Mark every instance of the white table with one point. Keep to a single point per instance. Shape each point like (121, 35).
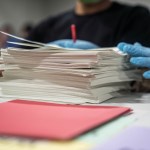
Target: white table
(140, 103)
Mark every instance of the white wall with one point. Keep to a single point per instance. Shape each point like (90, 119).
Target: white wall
(58, 6)
(18, 12)
(143, 2)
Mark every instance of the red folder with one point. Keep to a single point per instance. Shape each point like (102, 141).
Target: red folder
(53, 121)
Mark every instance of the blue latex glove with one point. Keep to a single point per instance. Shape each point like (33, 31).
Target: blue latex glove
(140, 55)
(79, 44)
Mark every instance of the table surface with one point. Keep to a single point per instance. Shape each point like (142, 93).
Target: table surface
(140, 103)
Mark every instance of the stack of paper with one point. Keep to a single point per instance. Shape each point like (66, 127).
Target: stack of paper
(1, 63)
(65, 75)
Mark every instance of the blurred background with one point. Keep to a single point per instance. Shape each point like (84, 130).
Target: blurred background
(18, 13)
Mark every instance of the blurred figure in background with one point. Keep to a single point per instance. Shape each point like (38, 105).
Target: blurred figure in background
(8, 28)
(26, 30)
(103, 23)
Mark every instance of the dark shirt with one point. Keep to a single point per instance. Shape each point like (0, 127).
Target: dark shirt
(119, 23)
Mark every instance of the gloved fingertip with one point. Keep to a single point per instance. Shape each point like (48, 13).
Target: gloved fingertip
(146, 75)
(137, 44)
(139, 61)
(133, 60)
(121, 45)
(124, 47)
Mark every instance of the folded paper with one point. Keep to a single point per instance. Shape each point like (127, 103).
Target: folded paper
(52, 121)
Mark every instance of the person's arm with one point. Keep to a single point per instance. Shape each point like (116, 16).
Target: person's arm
(37, 33)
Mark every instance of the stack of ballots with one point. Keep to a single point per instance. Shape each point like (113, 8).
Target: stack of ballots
(55, 74)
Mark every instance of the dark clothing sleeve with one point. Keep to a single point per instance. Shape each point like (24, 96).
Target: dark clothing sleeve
(41, 31)
(135, 27)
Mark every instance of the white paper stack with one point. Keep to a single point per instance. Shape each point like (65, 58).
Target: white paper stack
(61, 75)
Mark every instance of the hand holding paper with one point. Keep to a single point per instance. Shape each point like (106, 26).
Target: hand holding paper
(140, 55)
(79, 44)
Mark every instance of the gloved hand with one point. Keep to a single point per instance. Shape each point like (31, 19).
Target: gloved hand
(140, 55)
(79, 44)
